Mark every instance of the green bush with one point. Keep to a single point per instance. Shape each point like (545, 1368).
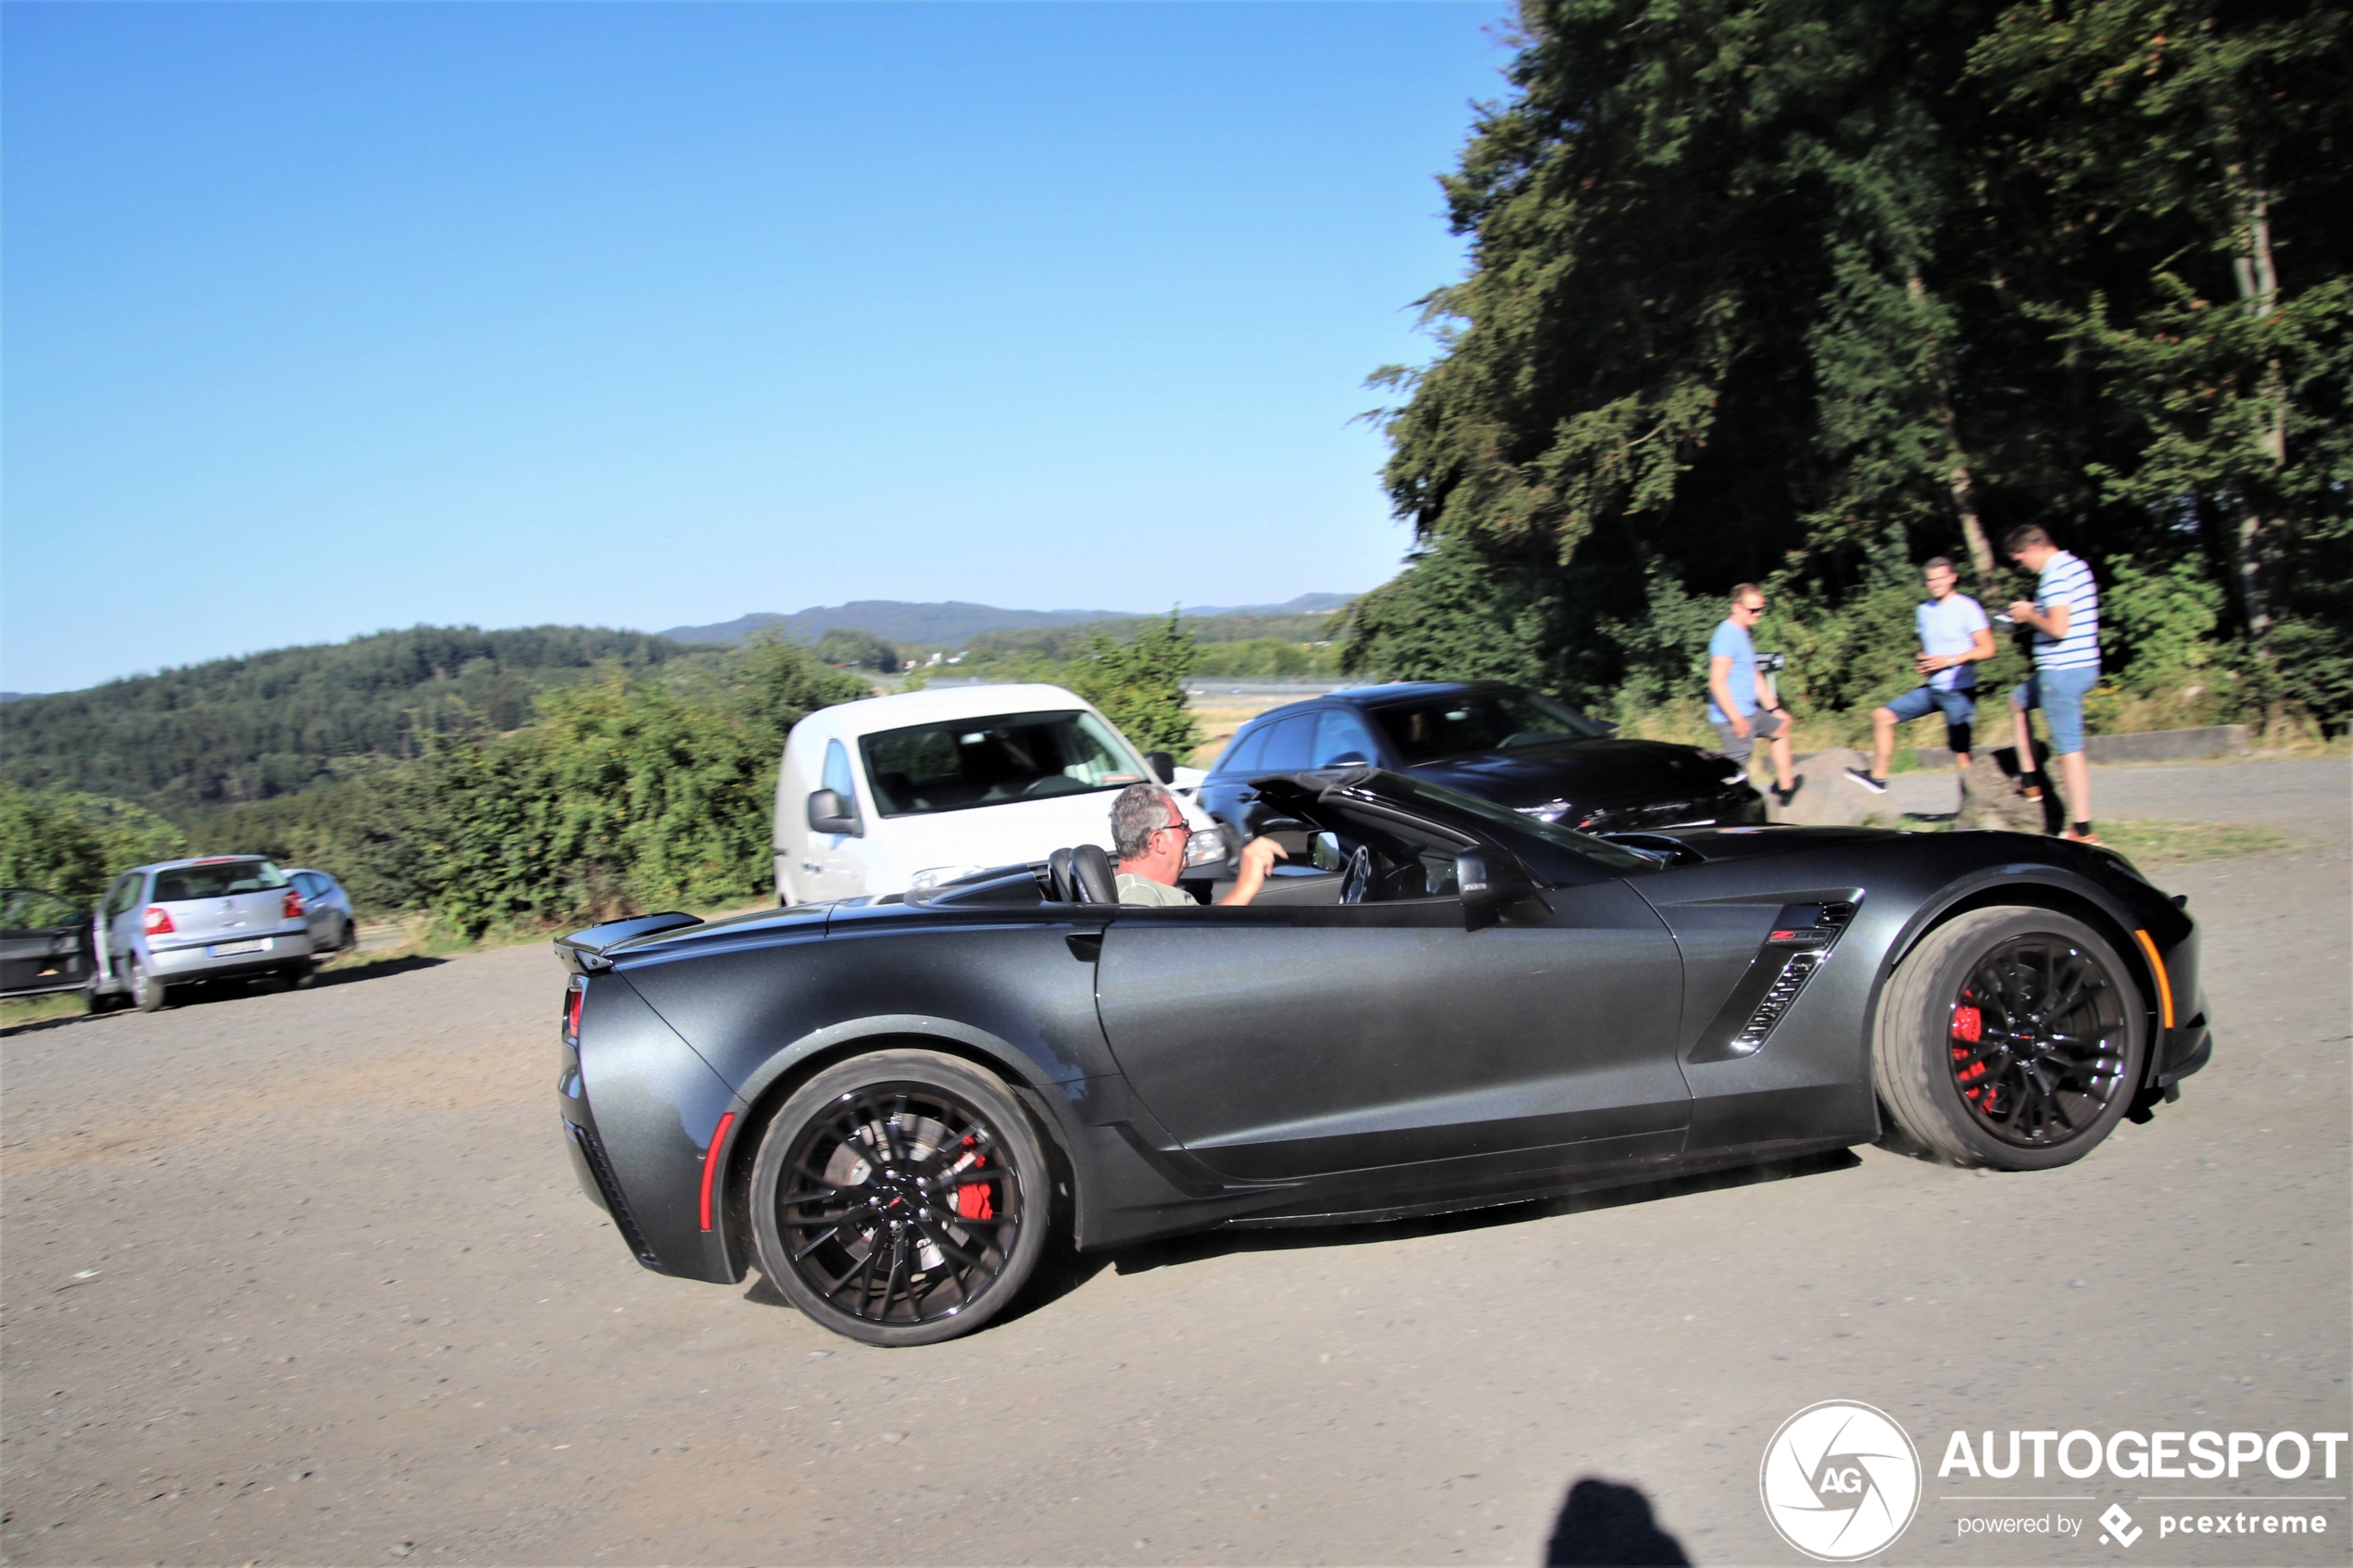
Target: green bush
(72, 843)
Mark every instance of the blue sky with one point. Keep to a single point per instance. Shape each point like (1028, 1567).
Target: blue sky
(325, 319)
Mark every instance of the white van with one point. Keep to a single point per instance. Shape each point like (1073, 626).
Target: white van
(903, 792)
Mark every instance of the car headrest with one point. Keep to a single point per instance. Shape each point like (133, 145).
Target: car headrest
(1060, 885)
(1090, 868)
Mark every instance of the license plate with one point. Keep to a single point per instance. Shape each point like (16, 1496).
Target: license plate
(230, 949)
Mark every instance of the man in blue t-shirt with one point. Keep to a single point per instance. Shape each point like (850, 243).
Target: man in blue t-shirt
(1955, 638)
(1741, 704)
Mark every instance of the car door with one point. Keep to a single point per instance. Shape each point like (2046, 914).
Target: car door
(1298, 1040)
(120, 936)
(40, 940)
(832, 861)
(318, 912)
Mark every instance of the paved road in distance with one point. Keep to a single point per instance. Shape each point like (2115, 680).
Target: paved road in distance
(303, 1277)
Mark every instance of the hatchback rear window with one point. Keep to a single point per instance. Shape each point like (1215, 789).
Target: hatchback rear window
(222, 880)
(966, 762)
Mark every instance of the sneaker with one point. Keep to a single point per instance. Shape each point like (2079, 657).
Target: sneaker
(1856, 775)
(2074, 838)
(1786, 796)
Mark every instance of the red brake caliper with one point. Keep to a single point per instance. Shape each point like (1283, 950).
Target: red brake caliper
(1968, 1028)
(972, 1202)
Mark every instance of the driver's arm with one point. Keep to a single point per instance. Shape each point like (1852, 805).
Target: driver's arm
(1258, 857)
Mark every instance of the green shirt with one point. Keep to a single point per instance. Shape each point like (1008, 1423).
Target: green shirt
(1134, 889)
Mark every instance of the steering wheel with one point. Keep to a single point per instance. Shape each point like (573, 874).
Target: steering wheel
(1358, 878)
(1053, 784)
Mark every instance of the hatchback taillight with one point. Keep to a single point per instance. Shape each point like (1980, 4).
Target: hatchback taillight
(572, 1009)
(294, 904)
(157, 920)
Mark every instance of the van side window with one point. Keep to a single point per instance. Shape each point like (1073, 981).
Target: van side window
(1243, 756)
(1340, 737)
(837, 776)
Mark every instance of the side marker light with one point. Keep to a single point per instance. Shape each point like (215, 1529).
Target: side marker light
(2164, 982)
(710, 1162)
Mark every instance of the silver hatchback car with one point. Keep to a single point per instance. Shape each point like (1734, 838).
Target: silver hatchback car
(226, 917)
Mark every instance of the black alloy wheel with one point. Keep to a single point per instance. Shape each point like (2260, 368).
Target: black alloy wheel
(900, 1199)
(2037, 1031)
(2010, 1037)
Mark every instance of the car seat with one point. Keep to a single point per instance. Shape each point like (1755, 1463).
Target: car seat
(1090, 870)
(1058, 885)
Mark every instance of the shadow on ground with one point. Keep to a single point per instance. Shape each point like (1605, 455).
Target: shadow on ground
(199, 994)
(1604, 1524)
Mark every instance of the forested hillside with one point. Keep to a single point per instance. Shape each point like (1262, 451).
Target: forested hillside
(1804, 291)
(273, 723)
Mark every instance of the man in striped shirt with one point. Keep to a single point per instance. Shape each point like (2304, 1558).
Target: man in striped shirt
(2066, 617)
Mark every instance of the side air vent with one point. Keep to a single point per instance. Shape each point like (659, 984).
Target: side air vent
(594, 1148)
(1797, 945)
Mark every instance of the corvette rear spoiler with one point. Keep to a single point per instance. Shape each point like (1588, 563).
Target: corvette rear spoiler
(583, 952)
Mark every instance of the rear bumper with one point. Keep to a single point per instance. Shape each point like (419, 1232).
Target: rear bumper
(196, 961)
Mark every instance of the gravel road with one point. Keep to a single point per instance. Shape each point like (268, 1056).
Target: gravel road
(304, 1278)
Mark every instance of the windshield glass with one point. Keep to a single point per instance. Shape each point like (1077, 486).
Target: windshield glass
(1596, 852)
(962, 763)
(219, 880)
(1430, 729)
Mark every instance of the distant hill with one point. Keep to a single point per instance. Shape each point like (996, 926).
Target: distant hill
(271, 723)
(16, 696)
(952, 624)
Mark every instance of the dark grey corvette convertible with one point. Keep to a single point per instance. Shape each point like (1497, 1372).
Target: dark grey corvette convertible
(1439, 1004)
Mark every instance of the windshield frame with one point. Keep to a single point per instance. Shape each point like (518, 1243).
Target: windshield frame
(1406, 792)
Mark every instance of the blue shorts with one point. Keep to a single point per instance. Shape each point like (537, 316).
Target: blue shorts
(1958, 706)
(2059, 694)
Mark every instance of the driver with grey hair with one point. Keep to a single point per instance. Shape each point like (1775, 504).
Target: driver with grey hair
(1149, 833)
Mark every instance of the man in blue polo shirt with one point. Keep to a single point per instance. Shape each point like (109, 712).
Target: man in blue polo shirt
(1739, 704)
(1955, 639)
(2065, 613)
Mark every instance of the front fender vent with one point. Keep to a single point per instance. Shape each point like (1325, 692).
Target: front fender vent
(1798, 945)
(592, 1147)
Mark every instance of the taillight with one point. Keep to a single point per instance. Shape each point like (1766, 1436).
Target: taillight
(157, 920)
(294, 904)
(572, 1009)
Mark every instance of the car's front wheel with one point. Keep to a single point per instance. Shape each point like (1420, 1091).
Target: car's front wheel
(900, 1199)
(2010, 1037)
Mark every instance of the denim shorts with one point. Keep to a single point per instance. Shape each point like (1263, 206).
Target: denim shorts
(1959, 707)
(2059, 694)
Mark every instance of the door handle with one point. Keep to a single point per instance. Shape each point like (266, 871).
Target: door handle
(1085, 945)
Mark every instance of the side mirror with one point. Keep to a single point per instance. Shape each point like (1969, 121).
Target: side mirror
(1324, 851)
(1489, 883)
(1163, 765)
(828, 812)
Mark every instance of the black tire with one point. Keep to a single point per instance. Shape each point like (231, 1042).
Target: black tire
(95, 1001)
(350, 937)
(148, 993)
(877, 1164)
(2010, 1037)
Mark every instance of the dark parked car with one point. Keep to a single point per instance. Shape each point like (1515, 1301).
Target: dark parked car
(44, 943)
(887, 1105)
(1517, 749)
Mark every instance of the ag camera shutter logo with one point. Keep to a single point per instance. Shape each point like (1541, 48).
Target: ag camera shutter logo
(1840, 1481)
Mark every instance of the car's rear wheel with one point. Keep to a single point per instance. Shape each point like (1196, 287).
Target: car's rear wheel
(2010, 1037)
(148, 993)
(900, 1199)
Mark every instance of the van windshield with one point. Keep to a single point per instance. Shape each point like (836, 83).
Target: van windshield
(219, 880)
(959, 763)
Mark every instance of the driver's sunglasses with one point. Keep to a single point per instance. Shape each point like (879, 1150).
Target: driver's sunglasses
(1185, 828)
